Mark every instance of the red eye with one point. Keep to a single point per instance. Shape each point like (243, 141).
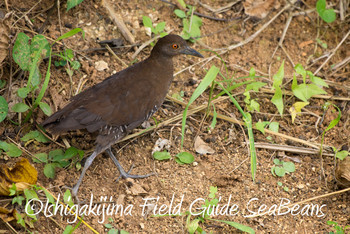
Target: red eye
(175, 46)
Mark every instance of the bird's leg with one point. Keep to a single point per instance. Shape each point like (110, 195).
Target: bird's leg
(123, 173)
(86, 166)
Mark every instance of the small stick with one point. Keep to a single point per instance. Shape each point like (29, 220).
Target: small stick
(118, 20)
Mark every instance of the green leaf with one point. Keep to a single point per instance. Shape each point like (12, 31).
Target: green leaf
(18, 199)
(306, 91)
(75, 65)
(70, 153)
(49, 170)
(30, 135)
(289, 166)
(68, 229)
(212, 191)
(39, 45)
(45, 108)
(277, 162)
(285, 188)
(180, 13)
(161, 155)
(215, 114)
(280, 171)
(192, 226)
(254, 106)
(55, 153)
(71, 33)
(42, 138)
(160, 27)
(185, 157)
(67, 198)
(108, 225)
(334, 121)
(13, 150)
(277, 82)
(20, 107)
(4, 108)
(208, 79)
(318, 81)
(178, 161)
(42, 158)
(255, 86)
(23, 92)
(2, 83)
(21, 51)
(274, 126)
(328, 15)
(301, 71)
(4, 146)
(261, 126)
(342, 154)
(182, 3)
(279, 183)
(73, 3)
(147, 22)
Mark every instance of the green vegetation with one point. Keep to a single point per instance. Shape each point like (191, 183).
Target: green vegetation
(281, 167)
(191, 24)
(328, 15)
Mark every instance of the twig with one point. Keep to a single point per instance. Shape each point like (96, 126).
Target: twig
(288, 148)
(116, 56)
(118, 20)
(336, 48)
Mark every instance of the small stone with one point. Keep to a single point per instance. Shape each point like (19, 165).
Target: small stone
(101, 65)
(142, 226)
(300, 186)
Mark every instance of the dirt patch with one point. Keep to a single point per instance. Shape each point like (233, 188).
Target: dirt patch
(178, 186)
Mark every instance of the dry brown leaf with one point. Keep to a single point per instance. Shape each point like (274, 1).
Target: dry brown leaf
(201, 147)
(4, 36)
(258, 8)
(23, 174)
(7, 215)
(342, 172)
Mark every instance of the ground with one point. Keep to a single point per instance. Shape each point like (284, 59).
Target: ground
(229, 167)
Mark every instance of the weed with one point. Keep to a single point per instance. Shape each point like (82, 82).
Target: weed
(281, 167)
(328, 15)
(338, 229)
(181, 158)
(191, 24)
(112, 230)
(285, 188)
(29, 56)
(157, 30)
(57, 158)
(67, 57)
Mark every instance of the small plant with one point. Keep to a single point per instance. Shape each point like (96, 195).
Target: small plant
(157, 30)
(191, 24)
(112, 230)
(28, 54)
(10, 149)
(281, 168)
(285, 188)
(208, 206)
(338, 229)
(180, 158)
(57, 158)
(252, 104)
(73, 3)
(67, 57)
(328, 15)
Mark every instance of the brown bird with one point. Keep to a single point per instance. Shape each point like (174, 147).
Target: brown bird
(121, 102)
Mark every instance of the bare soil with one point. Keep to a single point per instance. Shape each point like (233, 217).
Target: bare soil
(229, 167)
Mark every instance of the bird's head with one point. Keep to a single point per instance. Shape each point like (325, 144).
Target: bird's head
(172, 45)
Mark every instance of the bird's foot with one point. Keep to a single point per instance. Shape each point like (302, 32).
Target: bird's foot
(125, 175)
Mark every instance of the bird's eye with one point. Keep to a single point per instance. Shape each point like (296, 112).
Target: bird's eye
(175, 46)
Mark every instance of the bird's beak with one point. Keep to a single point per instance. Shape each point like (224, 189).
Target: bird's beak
(190, 51)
